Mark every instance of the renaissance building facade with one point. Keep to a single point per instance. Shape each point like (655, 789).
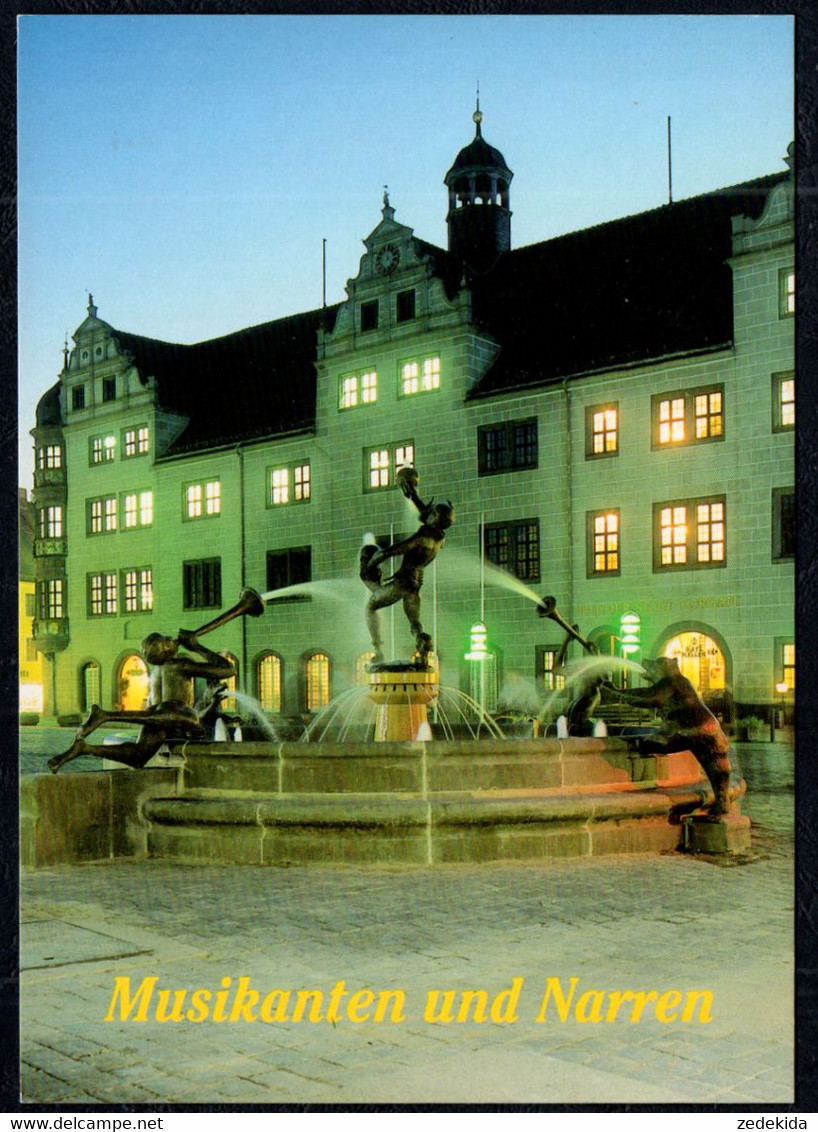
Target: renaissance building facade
(611, 412)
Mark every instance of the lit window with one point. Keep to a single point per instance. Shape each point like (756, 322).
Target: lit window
(710, 532)
(514, 547)
(137, 586)
(601, 431)
(604, 542)
(268, 678)
(317, 679)
(546, 661)
(145, 508)
(290, 484)
(213, 497)
(110, 513)
(102, 595)
(129, 442)
(369, 387)
(301, 483)
(143, 442)
(194, 500)
(51, 522)
(51, 598)
(49, 457)
(783, 401)
(786, 293)
(103, 449)
(95, 516)
(383, 464)
(788, 665)
(281, 485)
(672, 421)
(690, 534)
(130, 511)
(362, 664)
(709, 419)
(203, 499)
(686, 417)
(420, 377)
(349, 392)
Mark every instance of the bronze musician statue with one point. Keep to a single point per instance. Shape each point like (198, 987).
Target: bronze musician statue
(168, 716)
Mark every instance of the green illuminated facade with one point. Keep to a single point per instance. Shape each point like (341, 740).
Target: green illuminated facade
(612, 413)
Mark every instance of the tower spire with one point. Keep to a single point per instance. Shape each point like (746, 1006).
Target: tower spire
(477, 117)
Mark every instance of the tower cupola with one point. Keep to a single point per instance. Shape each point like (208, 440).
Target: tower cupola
(479, 218)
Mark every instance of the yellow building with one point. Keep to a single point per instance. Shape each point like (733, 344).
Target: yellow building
(31, 664)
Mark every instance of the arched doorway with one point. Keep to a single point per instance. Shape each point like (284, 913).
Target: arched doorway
(91, 684)
(132, 683)
(701, 660)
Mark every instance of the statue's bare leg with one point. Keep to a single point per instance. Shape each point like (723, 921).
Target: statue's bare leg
(382, 597)
(423, 642)
(131, 754)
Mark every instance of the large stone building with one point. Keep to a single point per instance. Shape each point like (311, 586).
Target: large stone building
(611, 412)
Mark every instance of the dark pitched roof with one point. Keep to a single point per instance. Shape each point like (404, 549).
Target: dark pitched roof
(48, 408)
(255, 382)
(646, 286)
(447, 266)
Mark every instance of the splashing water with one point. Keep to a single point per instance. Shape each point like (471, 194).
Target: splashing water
(255, 713)
(344, 590)
(577, 670)
(465, 567)
(351, 717)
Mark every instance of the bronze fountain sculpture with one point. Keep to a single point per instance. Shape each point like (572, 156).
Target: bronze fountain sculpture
(168, 716)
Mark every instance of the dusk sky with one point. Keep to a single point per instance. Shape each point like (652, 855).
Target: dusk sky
(185, 169)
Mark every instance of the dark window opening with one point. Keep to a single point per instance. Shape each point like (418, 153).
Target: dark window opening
(507, 447)
(406, 305)
(286, 568)
(369, 316)
(203, 583)
(109, 389)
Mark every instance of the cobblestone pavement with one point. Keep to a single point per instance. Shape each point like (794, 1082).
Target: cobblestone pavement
(659, 922)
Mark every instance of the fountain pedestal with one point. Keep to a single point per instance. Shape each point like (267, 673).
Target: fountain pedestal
(730, 834)
(403, 694)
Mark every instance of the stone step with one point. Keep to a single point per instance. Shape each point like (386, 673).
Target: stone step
(409, 829)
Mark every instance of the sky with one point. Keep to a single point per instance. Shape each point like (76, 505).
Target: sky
(186, 169)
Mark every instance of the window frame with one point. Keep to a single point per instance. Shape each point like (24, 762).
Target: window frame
(107, 452)
(591, 570)
(191, 591)
(203, 486)
(691, 542)
(392, 467)
(109, 389)
(102, 588)
(141, 590)
(591, 433)
(290, 468)
(778, 549)
(778, 381)
(544, 675)
(436, 363)
(407, 297)
(290, 556)
(511, 527)
(507, 429)
(372, 307)
(786, 294)
(688, 396)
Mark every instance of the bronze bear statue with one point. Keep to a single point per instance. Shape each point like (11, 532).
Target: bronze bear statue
(687, 725)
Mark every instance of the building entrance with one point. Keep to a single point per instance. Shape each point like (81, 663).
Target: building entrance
(132, 683)
(700, 660)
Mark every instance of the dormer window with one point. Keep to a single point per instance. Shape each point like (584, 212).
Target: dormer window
(98, 352)
(85, 356)
(369, 316)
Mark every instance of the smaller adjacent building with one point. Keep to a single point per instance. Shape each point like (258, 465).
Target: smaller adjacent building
(30, 660)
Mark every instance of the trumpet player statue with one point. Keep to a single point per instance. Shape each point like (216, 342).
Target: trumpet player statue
(418, 551)
(168, 716)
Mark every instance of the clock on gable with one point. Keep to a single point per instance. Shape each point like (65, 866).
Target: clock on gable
(387, 259)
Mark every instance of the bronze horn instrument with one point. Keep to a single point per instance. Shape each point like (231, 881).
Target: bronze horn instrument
(548, 608)
(250, 604)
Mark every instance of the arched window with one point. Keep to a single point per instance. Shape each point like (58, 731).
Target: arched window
(700, 660)
(268, 681)
(132, 683)
(362, 667)
(316, 681)
(91, 684)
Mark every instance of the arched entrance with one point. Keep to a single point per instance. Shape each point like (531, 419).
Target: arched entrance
(132, 683)
(701, 660)
(91, 686)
